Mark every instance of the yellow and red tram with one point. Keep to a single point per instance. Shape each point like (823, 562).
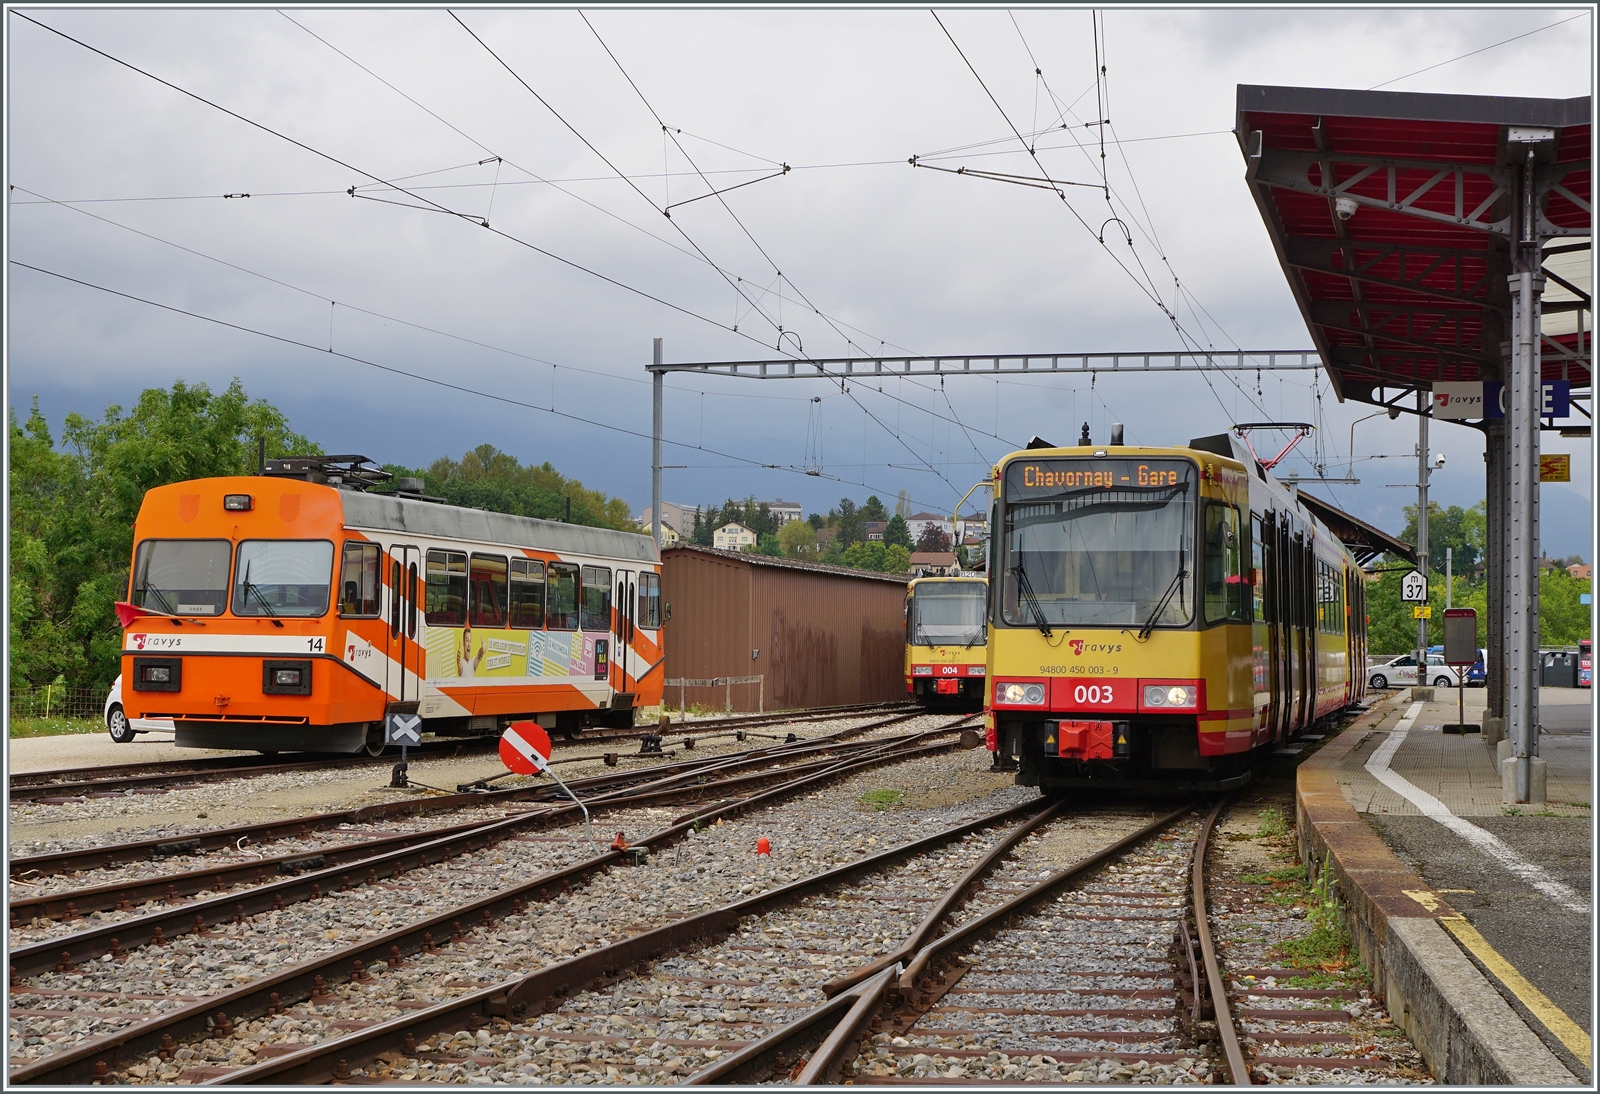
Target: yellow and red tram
(277, 612)
(946, 649)
(1156, 614)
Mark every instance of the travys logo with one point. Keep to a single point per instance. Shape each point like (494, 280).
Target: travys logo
(156, 642)
(1080, 647)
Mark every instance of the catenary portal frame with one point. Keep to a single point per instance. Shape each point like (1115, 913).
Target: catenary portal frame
(1414, 231)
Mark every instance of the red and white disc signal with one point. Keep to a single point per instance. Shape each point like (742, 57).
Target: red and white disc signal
(525, 748)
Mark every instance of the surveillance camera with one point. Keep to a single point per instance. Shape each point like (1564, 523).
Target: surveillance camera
(1394, 412)
(1345, 208)
(1438, 461)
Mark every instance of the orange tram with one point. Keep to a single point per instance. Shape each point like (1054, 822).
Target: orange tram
(295, 609)
(1157, 615)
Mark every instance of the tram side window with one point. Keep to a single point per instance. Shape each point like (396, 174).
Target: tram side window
(527, 593)
(1331, 610)
(488, 583)
(359, 566)
(1258, 572)
(650, 601)
(562, 613)
(1224, 583)
(447, 588)
(597, 598)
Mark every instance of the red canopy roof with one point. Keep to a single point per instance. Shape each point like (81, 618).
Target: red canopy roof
(1391, 213)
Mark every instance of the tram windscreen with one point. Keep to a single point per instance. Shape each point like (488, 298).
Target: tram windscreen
(1099, 542)
(282, 577)
(182, 576)
(948, 613)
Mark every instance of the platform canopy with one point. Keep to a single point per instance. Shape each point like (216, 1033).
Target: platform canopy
(1391, 215)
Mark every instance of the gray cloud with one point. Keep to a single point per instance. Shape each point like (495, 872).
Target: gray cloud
(916, 259)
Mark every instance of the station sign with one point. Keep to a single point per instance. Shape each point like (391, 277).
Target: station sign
(1555, 467)
(1414, 588)
(1486, 399)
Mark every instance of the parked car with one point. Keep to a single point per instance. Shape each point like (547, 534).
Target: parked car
(1478, 674)
(1403, 670)
(1585, 663)
(124, 729)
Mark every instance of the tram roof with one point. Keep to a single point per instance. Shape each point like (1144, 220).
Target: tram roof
(423, 518)
(1410, 288)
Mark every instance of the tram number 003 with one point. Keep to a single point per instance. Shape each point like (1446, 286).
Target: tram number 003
(1092, 694)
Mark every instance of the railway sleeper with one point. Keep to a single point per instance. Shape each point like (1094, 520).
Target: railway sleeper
(250, 1000)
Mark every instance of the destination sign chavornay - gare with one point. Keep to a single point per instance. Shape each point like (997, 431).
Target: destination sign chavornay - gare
(1035, 477)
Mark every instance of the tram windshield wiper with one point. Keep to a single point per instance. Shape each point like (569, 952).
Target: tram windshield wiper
(166, 605)
(1025, 590)
(250, 588)
(1161, 605)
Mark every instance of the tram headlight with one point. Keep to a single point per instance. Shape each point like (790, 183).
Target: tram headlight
(921, 670)
(1022, 694)
(1170, 695)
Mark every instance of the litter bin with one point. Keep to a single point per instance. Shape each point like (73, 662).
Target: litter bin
(1558, 669)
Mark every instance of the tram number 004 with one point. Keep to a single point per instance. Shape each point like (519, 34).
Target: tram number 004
(1092, 694)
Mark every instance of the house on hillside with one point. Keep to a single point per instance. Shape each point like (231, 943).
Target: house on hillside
(1579, 570)
(935, 564)
(669, 534)
(921, 522)
(872, 530)
(784, 511)
(674, 516)
(733, 536)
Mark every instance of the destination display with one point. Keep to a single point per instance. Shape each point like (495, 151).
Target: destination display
(1038, 478)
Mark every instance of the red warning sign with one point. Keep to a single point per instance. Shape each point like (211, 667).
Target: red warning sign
(525, 748)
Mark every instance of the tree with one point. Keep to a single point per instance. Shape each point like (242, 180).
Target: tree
(933, 538)
(896, 559)
(768, 545)
(72, 512)
(847, 518)
(873, 509)
(897, 532)
(487, 478)
(902, 507)
(798, 539)
(816, 520)
(1461, 530)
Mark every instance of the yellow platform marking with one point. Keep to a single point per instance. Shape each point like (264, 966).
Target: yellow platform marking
(1423, 897)
(1550, 1015)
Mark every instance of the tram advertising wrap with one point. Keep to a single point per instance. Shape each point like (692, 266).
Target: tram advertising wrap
(1157, 614)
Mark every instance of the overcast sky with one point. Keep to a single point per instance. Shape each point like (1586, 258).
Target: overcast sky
(851, 251)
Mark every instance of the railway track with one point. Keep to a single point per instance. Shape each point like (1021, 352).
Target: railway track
(727, 982)
(65, 785)
(176, 847)
(105, 997)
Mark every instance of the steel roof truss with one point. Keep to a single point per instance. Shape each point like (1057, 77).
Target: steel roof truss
(1317, 255)
(1291, 170)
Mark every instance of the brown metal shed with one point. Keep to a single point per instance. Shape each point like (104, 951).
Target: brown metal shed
(821, 635)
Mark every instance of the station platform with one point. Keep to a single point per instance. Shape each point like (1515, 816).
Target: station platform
(1474, 914)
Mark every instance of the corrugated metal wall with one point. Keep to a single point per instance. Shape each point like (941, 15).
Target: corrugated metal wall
(825, 639)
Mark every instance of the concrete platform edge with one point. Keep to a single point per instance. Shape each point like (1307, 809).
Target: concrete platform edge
(1466, 1031)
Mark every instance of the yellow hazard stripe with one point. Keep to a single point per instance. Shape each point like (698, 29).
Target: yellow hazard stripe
(1551, 1016)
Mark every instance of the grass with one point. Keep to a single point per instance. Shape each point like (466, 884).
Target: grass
(54, 727)
(1274, 825)
(882, 799)
(1328, 945)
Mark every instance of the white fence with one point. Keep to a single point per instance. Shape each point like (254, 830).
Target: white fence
(726, 683)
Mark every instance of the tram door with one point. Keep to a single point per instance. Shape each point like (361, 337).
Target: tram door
(625, 618)
(406, 662)
(1271, 606)
(1287, 619)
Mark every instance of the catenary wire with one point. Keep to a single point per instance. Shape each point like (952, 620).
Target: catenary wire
(1475, 52)
(45, 199)
(745, 460)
